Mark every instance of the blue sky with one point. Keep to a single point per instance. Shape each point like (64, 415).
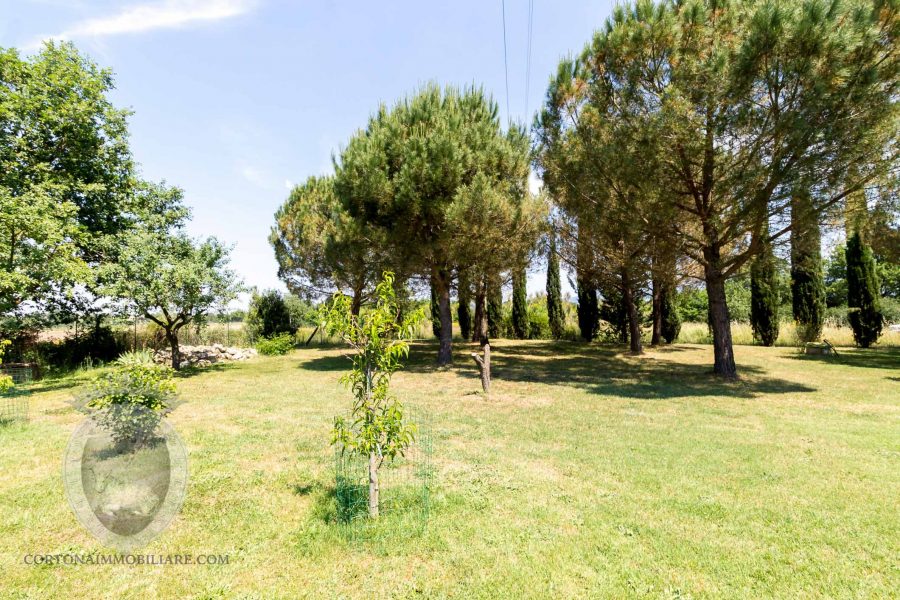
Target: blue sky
(236, 100)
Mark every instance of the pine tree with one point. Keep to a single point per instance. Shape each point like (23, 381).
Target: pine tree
(520, 303)
(588, 310)
(807, 277)
(463, 311)
(764, 296)
(862, 293)
(671, 319)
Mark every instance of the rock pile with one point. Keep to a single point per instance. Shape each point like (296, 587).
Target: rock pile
(203, 356)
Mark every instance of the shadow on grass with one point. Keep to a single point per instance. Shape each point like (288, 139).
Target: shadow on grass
(191, 371)
(872, 358)
(599, 369)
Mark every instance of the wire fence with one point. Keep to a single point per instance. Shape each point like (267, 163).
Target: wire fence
(405, 485)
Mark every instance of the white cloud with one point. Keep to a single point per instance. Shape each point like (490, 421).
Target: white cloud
(167, 14)
(255, 176)
(288, 184)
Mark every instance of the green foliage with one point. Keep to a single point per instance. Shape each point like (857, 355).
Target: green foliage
(379, 340)
(6, 382)
(320, 248)
(671, 317)
(862, 293)
(268, 315)
(807, 278)
(435, 313)
(495, 309)
(764, 300)
(130, 400)
(276, 345)
(170, 278)
(519, 304)
(463, 310)
(66, 172)
(835, 278)
(539, 321)
(588, 310)
(555, 313)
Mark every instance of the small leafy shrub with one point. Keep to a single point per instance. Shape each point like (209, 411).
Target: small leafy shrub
(277, 345)
(538, 322)
(135, 358)
(130, 400)
(6, 382)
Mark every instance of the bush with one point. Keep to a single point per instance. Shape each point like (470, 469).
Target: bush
(277, 345)
(130, 400)
(538, 321)
(268, 316)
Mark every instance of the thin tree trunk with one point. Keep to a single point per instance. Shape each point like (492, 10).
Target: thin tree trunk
(483, 361)
(373, 485)
(442, 285)
(480, 317)
(720, 323)
(634, 322)
(356, 303)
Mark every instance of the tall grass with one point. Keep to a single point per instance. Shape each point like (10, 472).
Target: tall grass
(742, 334)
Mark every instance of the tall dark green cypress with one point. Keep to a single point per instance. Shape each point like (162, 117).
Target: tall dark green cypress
(764, 299)
(671, 318)
(435, 313)
(807, 277)
(554, 292)
(862, 293)
(519, 303)
(463, 311)
(588, 310)
(495, 307)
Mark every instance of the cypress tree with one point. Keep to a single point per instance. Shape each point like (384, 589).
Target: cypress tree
(671, 319)
(588, 310)
(463, 312)
(862, 293)
(435, 313)
(807, 277)
(520, 303)
(494, 307)
(554, 292)
(764, 296)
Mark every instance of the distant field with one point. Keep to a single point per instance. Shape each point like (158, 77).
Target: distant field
(587, 473)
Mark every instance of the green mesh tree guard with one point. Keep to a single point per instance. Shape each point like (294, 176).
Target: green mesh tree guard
(405, 488)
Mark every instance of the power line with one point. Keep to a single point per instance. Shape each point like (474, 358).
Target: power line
(505, 60)
(528, 56)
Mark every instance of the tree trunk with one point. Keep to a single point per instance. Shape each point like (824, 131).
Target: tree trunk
(481, 330)
(442, 288)
(176, 355)
(480, 316)
(657, 311)
(373, 485)
(720, 323)
(356, 303)
(634, 321)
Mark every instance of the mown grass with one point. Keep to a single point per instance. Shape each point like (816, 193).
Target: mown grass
(587, 473)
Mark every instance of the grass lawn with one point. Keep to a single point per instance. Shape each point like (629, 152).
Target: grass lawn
(587, 473)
